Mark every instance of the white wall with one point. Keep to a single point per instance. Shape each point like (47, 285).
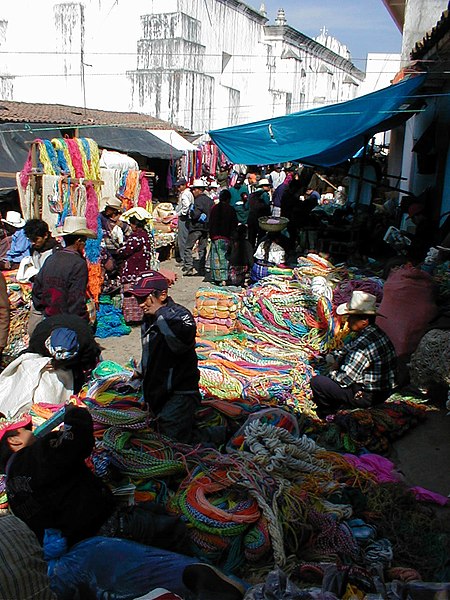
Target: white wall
(189, 87)
(420, 17)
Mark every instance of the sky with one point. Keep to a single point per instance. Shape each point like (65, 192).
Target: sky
(362, 25)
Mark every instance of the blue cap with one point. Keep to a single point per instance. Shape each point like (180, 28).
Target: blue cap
(62, 343)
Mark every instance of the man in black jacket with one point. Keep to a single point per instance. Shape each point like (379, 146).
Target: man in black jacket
(169, 360)
(198, 226)
(60, 286)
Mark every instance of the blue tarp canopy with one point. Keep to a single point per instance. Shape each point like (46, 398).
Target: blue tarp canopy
(323, 136)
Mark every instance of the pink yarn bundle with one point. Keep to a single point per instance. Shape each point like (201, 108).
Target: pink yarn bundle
(145, 194)
(91, 207)
(75, 156)
(24, 176)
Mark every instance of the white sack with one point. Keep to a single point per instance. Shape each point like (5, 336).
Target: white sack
(26, 381)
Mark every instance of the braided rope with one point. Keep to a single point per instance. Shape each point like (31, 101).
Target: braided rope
(141, 455)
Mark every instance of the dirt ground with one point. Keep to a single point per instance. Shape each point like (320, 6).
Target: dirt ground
(422, 455)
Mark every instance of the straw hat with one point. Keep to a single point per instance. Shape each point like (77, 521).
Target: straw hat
(77, 226)
(360, 303)
(113, 203)
(14, 219)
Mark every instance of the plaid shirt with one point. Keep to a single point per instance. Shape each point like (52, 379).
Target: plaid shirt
(23, 570)
(369, 360)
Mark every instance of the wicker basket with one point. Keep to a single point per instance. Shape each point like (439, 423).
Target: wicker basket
(273, 223)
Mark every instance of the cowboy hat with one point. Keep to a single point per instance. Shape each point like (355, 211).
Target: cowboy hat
(113, 203)
(199, 183)
(14, 219)
(264, 181)
(360, 303)
(77, 226)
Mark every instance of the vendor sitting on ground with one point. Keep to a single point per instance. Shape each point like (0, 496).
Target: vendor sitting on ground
(69, 341)
(62, 493)
(364, 373)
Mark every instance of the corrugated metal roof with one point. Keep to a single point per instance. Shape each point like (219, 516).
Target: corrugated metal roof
(61, 114)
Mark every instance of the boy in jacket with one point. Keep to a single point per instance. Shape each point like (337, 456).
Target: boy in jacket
(169, 361)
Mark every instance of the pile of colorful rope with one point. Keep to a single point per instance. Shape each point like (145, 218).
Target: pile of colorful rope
(113, 400)
(141, 455)
(215, 311)
(374, 430)
(279, 327)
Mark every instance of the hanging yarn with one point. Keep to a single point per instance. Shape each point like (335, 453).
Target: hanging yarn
(92, 212)
(75, 157)
(95, 280)
(24, 176)
(145, 195)
(48, 157)
(83, 155)
(94, 172)
(63, 154)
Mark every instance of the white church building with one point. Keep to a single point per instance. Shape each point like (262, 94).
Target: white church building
(200, 64)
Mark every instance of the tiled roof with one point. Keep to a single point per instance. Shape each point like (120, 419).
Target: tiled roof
(60, 114)
(433, 36)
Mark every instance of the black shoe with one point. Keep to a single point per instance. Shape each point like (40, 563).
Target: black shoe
(208, 583)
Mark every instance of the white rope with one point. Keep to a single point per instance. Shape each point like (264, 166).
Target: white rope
(277, 451)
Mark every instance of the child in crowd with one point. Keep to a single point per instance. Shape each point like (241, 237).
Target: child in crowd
(240, 257)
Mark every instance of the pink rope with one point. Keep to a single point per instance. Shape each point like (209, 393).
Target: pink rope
(75, 156)
(25, 173)
(91, 207)
(145, 194)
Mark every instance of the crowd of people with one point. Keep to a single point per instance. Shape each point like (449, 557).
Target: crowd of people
(241, 225)
(307, 210)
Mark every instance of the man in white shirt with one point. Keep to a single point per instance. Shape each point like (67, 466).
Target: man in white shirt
(185, 199)
(277, 176)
